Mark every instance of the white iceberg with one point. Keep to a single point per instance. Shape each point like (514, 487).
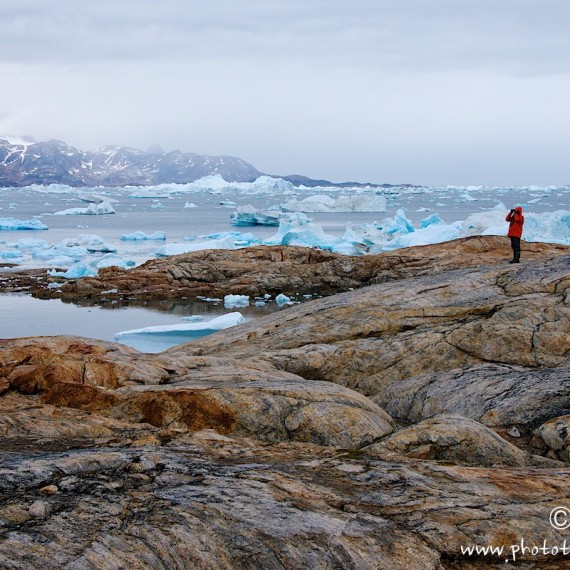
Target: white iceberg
(282, 299)
(177, 248)
(157, 338)
(323, 203)
(96, 198)
(239, 239)
(14, 224)
(250, 216)
(99, 209)
(91, 242)
(235, 301)
(141, 236)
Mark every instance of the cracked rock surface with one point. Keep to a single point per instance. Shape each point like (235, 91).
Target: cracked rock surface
(385, 427)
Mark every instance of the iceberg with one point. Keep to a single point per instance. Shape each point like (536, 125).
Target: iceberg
(234, 301)
(239, 239)
(29, 243)
(14, 224)
(11, 255)
(139, 236)
(282, 299)
(91, 268)
(430, 220)
(157, 338)
(96, 198)
(250, 216)
(91, 242)
(98, 209)
(400, 224)
(323, 203)
(178, 248)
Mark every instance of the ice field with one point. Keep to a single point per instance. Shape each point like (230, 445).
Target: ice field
(73, 232)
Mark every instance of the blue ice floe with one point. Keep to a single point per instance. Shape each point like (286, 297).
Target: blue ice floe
(14, 224)
(141, 236)
(91, 268)
(158, 338)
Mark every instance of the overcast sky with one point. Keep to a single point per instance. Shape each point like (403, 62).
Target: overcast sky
(423, 91)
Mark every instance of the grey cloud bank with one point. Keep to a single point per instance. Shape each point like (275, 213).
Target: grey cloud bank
(445, 92)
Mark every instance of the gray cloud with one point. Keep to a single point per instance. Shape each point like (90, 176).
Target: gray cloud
(430, 92)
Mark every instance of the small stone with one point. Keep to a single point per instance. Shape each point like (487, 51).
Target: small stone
(49, 490)
(38, 509)
(4, 385)
(146, 440)
(514, 432)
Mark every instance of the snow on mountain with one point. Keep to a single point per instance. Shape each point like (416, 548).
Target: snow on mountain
(24, 161)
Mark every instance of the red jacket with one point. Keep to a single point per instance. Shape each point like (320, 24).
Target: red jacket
(516, 222)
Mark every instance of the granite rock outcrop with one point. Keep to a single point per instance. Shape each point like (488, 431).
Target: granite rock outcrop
(392, 426)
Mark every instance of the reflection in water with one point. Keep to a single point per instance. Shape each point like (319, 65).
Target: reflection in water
(25, 316)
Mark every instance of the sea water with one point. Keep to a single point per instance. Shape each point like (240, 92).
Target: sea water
(24, 316)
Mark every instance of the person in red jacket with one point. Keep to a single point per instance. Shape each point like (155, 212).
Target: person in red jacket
(516, 220)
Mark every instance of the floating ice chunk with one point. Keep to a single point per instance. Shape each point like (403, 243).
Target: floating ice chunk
(96, 198)
(553, 227)
(191, 330)
(323, 203)
(178, 248)
(138, 236)
(91, 268)
(12, 255)
(76, 271)
(30, 243)
(260, 303)
(112, 260)
(235, 301)
(100, 209)
(489, 222)
(400, 224)
(318, 203)
(14, 224)
(190, 205)
(430, 220)
(282, 299)
(55, 259)
(434, 233)
(268, 184)
(240, 240)
(227, 203)
(249, 216)
(194, 318)
(150, 192)
(91, 242)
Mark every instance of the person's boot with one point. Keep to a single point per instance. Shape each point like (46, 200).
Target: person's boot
(514, 259)
(517, 257)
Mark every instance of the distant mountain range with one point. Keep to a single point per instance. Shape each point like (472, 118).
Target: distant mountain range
(23, 161)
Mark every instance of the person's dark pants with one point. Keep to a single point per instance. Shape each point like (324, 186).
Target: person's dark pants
(516, 245)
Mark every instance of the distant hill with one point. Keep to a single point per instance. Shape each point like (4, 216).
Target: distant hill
(24, 161)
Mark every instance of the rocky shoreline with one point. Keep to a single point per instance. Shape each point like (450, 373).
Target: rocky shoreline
(420, 408)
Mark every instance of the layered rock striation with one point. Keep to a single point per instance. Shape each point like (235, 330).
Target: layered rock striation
(392, 426)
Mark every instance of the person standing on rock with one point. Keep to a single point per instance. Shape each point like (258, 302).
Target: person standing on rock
(516, 220)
